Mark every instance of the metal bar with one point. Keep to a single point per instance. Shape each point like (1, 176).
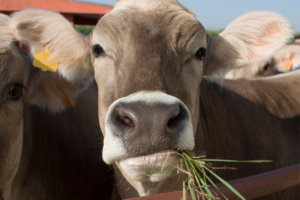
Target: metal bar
(251, 187)
(260, 185)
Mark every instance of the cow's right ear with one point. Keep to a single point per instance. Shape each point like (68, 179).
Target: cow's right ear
(48, 90)
(40, 30)
(251, 38)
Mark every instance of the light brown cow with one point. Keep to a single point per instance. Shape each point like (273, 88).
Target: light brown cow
(286, 59)
(45, 156)
(148, 58)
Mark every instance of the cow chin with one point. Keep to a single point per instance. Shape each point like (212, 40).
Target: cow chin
(144, 168)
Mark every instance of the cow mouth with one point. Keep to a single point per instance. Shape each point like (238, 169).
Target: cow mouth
(141, 168)
(154, 158)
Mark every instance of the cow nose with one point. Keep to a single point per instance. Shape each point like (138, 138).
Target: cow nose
(137, 120)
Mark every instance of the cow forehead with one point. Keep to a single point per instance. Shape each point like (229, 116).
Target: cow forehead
(150, 5)
(134, 20)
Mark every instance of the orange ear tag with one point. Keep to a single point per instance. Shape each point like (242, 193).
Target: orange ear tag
(288, 64)
(46, 61)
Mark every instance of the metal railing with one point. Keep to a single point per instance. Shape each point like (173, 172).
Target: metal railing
(251, 187)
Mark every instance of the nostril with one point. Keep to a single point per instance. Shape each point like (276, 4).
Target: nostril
(177, 117)
(127, 121)
(123, 117)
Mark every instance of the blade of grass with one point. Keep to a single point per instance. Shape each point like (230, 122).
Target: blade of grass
(200, 185)
(185, 162)
(242, 161)
(210, 195)
(163, 172)
(183, 191)
(214, 185)
(205, 186)
(226, 184)
(192, 192)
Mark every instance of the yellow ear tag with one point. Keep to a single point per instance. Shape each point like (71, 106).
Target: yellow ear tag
(46, 61)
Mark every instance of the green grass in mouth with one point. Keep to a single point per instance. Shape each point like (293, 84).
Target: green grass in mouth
(197, 170)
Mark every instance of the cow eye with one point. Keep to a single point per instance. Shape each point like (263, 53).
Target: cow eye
(97, 50)
(266, 67)
(200, 53)
(15, 91)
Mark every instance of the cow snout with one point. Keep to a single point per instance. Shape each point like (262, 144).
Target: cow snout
(134, 121)
(145, 123)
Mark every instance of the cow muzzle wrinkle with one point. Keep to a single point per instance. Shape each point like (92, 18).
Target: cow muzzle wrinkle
(143, 126)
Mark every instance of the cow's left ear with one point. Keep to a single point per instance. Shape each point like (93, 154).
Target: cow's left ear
(48, 31)
(250, 38)
(49, 90)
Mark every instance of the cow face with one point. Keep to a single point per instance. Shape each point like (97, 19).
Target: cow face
(20, 82)
(148, 66)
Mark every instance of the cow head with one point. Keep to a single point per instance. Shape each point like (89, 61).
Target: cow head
(20, 82)
(148, 59)
(284, 60)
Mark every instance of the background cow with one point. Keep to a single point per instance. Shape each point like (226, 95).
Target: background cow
(286, 59)
(148, 59)
(45, 155)
(240, 53)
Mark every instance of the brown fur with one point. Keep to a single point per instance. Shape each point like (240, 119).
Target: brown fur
(45, 155)
(60, 156)
(249, 120)
(150, 45)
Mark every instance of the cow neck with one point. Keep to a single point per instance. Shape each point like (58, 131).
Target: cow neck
(235, 125)
(61, 156)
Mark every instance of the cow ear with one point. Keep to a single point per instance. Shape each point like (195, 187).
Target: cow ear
(250, 38)
(49, 90)
(41, 30)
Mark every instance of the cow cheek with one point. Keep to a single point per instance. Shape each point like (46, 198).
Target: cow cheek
(104, 77)
(193, 73)
(11, 135)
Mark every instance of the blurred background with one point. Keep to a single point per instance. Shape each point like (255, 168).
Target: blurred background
(214, 15)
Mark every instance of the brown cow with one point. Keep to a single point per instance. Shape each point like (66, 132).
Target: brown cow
(286, 59)
(148, 59)
(43, 155)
